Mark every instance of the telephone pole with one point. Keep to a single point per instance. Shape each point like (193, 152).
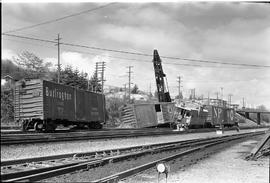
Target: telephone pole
(58, 65)
(129, 82)
(179, 87)
(243, 102)
(230, 99)
(208, 98)
(221, 93)
(217, 95)
(100, 67)
(125, 86)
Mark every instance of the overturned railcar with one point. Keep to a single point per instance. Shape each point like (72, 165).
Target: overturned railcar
(191, 117)
(43, 105)
(205, 116)
(147, 115)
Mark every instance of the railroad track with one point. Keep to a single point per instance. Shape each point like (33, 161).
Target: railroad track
(10, 139)
(28, 138)
(35, 169)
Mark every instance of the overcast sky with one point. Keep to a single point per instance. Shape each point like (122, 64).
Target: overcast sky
(222, 32)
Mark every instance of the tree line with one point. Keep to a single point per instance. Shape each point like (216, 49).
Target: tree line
(29, 66)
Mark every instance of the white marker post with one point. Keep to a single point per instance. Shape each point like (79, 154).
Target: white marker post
(162, 167)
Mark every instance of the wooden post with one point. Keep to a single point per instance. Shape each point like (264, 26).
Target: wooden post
(258, 118)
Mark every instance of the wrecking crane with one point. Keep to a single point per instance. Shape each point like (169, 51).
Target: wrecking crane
(162, 90)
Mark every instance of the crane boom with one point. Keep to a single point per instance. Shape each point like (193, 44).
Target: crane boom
(163, 94)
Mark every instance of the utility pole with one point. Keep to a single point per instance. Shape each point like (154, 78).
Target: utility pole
(208, 99)
(221, 93)
(217, 95)
(125, 86)
(58, 65)
(243, 102)
(129, 82)
(102, 76)
(100, 67)
(230, 99)
(179, 88)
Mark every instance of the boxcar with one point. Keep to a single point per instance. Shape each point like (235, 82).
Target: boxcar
(43, 105)
(197, 117)
(147, 115)
(218, 116)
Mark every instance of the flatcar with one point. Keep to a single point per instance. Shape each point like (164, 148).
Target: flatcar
(43, 105)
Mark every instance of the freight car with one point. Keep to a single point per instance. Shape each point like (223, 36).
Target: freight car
(205, 116)
(220, 116)
(147, 115)
(43, 105)
(191, 117)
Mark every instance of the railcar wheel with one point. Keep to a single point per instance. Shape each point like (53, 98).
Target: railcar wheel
(24, 126)
(50, 127)
(38, 126)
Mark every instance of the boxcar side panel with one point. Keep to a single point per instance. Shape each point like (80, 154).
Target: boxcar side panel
(198, 117)
(58, 101)
(89, 106)
(101, 107)
(81, 103)
(230, 116)
(168, 112)
(28, 100)
(217, 115)
(145, 115)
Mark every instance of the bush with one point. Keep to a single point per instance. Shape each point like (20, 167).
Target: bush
(7, 108)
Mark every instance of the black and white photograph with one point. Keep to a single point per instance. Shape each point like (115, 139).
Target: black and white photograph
(135, 91)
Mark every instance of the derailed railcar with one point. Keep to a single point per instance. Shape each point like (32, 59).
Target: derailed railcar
(147, 115)
(43, 105)
(191, 117)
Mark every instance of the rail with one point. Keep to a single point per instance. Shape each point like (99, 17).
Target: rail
(35, 169)
(30, 138)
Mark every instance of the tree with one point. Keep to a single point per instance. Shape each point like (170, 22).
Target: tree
(94, 83)
(177, 96)
(73, 78)
(35, 66)
(262, 107)
(7, 109)
(135, 89)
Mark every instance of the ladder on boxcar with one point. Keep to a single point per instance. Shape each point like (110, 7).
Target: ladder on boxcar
(17, 103)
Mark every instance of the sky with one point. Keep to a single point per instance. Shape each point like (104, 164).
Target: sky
(232, 32)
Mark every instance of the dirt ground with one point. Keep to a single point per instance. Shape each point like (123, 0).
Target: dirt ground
(225, 166)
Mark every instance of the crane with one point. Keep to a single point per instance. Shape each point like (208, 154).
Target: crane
(162, 90)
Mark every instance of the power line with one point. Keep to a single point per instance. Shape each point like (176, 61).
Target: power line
(132, 59)
(58, 19)
(134, 53)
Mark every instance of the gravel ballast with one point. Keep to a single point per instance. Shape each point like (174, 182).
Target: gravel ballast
(228, 164)
(56, 148)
